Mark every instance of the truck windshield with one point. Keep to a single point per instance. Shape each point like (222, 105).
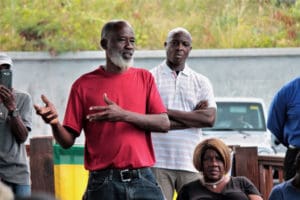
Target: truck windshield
(239, 116)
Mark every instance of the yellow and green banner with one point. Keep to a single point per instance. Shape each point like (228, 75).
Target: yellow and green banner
(70, 177)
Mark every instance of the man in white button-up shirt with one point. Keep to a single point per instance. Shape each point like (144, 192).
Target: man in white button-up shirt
(189, 98)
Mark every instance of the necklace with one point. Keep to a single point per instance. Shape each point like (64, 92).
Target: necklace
(214, 184)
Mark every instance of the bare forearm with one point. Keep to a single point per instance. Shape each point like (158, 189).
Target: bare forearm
(114, 113)
(175, 125)
(197, 118)
(62, 135)
(149, 122)
(18, 129)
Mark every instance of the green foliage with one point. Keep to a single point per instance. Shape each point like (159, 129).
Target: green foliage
(74, 25)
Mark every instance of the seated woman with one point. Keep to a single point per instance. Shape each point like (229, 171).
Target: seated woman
(212, 159)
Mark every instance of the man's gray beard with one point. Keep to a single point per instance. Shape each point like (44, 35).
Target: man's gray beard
(119, 61)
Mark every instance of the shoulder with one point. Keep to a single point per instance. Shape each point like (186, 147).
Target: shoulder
(291, 84)
(19, 92)
(295, 81)
(196, 75)
(201, 77)
(283, 186)
(279, 186)
(144, 74)
(91, 73)
(295, 85)
(290, 87)
(245, 185)
(139, 70)
(276, 192)
(154, 69)
(241, 179)
(87, 77)
(158, 69)
(22, 95)
(243, 182)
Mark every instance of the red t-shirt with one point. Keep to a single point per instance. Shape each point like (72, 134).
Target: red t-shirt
(114, 144)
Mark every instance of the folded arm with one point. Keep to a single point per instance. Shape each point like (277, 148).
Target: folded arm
(196, 118)
(200, 117)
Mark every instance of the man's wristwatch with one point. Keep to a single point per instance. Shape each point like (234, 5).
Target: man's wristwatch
(13, 113)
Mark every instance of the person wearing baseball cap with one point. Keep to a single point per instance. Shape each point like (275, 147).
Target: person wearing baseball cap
(15, 125)
(5, 60)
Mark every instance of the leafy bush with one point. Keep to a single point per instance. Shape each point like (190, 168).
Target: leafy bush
(74, 25)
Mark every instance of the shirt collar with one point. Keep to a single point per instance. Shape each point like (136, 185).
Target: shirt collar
(166, 69)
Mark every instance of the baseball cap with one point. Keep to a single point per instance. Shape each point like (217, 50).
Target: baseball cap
(5, 59)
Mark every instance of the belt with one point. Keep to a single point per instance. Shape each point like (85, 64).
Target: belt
(123, 175)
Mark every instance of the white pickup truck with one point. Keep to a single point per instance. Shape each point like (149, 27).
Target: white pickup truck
(242, 121)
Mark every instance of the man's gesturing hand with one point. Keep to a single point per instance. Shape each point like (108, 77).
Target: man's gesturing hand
(110, 112)
(48, 112)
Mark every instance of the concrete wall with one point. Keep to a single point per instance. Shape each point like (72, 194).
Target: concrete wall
(233, 72)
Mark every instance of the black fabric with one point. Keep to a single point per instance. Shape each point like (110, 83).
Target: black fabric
(288, 165)
(238, 188)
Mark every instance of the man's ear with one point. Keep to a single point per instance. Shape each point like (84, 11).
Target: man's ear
(103, 44)
(165, 44)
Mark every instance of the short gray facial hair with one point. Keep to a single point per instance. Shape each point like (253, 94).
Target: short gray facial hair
(118, 60)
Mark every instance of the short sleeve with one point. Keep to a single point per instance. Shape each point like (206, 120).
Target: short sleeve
(248, 186)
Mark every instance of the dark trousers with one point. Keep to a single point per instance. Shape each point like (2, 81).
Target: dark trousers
(289, 163)
(115, 184)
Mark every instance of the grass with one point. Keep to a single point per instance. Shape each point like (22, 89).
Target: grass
(74, 25)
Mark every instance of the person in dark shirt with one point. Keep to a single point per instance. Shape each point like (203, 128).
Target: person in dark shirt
(212, 159)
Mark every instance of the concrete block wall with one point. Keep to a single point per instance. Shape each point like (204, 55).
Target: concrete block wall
(233, 72)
